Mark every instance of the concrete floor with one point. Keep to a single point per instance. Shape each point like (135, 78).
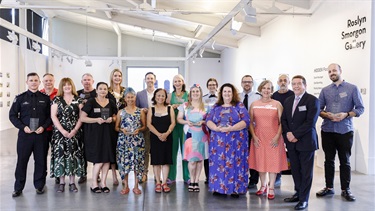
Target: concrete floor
(362, 186)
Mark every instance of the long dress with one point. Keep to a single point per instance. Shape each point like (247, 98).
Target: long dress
(67, 154)
(228, 151)
(161, 151)
(98, 137)
(130, 148)
(266, 158)
(196, 143)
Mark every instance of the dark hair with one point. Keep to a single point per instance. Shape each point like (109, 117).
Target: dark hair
(50, 74)
(100, 83)
(235, 98)
(156, 91)
(247, 76)
(211, 79)
(301, 77)
(151, 74)
(261, 85)
(32, 74)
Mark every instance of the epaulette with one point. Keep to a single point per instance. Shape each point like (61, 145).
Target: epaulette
(21, 93)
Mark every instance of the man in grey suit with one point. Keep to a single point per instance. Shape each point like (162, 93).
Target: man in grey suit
(143, 100)
(301, 111)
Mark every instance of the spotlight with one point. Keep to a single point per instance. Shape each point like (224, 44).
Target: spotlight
(88, 63)
(213, 45)
(201, 51)
(235, 26)
(69, 59)
(12, 37)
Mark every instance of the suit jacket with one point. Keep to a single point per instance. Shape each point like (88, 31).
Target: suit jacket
(302, 123)
(142, 100)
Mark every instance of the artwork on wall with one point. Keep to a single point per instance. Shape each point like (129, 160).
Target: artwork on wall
(1, 104)
(8, 103)
(8, 75)
(8, 94)
(1, 74)
(1, 94)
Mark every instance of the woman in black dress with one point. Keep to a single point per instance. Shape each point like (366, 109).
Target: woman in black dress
(161, 121)
(99, 113)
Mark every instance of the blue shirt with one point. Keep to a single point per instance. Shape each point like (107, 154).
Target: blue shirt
(342, 98)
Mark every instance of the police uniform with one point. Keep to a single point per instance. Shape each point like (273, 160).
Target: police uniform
(25, 106)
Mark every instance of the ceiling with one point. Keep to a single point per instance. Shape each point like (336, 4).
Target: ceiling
(195, 24)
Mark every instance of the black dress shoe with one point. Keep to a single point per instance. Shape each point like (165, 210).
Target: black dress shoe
(57, 180)
(348, 195)
(39, 190)
(235, 195)
(82, 180)
(301, 205)
(219, 194)
(16, 193)
(252, 185)
(325, 192)
(294, 198)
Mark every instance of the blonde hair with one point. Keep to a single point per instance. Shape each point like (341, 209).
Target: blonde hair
(111, 77)
(62, 83)
(201, 104)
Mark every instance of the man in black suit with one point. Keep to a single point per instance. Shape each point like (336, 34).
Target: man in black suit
(298, 120)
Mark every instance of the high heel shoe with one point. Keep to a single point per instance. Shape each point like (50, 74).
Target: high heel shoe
(261, 192)
(271, 196)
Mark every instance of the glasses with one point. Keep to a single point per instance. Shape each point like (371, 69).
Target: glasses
(247, 82)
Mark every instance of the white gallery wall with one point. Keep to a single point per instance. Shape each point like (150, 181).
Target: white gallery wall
(306, 46)
(13, 78)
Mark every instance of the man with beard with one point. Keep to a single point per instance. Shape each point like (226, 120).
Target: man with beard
(143, 100)
(86, 93)
(339, 103)
(280, 95)
(248, 96)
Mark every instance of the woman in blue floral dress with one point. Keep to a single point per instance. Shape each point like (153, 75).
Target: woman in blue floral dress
(130, 123)
(228, 148)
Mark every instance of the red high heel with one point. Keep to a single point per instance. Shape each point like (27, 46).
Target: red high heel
(271, 196)
(261, 192)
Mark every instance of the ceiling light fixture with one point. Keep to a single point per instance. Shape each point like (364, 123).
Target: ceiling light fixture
(213, 45)
(201, 51)
(69, 59)
(88, 63)
(250, 13)
(235, 26)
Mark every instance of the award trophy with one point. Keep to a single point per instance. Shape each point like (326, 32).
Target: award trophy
(104, 113)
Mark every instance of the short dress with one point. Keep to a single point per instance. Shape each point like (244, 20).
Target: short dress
(161, 151)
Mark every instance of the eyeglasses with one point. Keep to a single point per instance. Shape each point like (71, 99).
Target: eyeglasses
(247, 82)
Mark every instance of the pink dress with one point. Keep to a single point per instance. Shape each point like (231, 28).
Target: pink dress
(265, 158)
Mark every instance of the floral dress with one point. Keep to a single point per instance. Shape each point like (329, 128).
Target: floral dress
(67, 155)
(229, 151)
(130, 148)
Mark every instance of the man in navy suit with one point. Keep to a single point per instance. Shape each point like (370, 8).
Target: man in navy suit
(143, 100)
(298, 120)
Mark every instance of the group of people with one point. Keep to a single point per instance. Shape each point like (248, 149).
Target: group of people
(236, 137)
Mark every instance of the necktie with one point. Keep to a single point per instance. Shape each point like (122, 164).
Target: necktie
(245, 102)
(295, 104)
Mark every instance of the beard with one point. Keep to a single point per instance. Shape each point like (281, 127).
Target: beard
(334, 78)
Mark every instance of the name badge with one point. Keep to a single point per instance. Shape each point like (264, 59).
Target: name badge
(96, 110)
(343, 94)
(74, 102)
(42, 101)
(302, 108)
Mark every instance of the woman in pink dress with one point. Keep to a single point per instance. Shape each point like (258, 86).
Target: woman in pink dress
(267, 153)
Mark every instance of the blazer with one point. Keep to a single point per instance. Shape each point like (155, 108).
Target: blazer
(142, 100)
(302, 123)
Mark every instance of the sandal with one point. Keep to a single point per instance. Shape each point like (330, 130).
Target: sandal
(191, 187)
(136, 191)
(61, 188)
(166, 189)
(196, 187)
(73, 187)
(158, 188)
(96, 190)
(106, 190)
(125, 191)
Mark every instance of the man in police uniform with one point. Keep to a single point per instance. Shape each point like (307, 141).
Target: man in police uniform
(31, 114)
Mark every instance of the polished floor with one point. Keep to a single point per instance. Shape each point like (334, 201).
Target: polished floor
(363, 186)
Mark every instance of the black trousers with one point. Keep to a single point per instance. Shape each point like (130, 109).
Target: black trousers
(342, 144)
(27, 145)
(253, 174)
(302, 167)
